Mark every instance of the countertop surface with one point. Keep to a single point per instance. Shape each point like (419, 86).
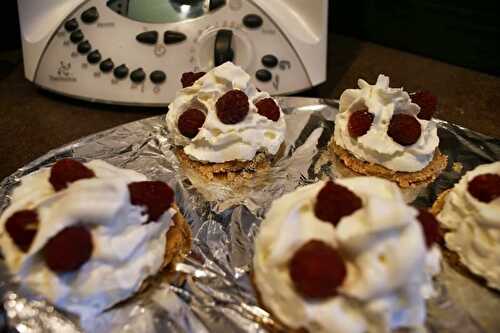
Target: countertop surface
(33, 121)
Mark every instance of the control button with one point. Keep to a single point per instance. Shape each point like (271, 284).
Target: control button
(148, 37)
(263, 75)
(76, 36)
(107, 65)
(94, 57)
(71, 25)
(157, 77)
(269, 60)
(222, 48)
(252, 21)
(90, 15)
(215, 4)
(171, 37)
(138, 75)
(121, 71)
(84, 47)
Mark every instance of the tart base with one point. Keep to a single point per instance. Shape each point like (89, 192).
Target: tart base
(178, 240)
(227, 171)
(438, 205)
(403, 179)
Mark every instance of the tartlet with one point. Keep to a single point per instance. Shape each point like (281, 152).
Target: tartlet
(222, 126)
(382, 131)
(88, 236)
(346, 256)
(469, 216)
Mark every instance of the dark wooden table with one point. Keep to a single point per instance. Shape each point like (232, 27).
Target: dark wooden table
(33, 121)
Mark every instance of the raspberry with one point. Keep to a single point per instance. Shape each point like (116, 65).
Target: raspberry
(427, 103)
(67, 171)
(232, 107)
(156, 196)
(485, 187)
(189, 78)
(69, 249)
(22, 227)
(190, 121)
(359, 123)
(268, 108)
(404, 129)
(334, 202)
(317, 270)
(430, 227)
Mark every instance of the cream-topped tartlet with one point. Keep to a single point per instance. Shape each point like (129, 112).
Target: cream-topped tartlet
(87, 236)
(470, 215)
(222, 125)
(381, 131)
(346, 256)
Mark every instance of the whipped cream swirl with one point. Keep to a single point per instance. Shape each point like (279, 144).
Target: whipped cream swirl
(474, 227)
(217, 142)
(125, 251)
(389, 268)
(376, 146)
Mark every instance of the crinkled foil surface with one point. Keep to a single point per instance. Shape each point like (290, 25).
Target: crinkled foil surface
(217, 295)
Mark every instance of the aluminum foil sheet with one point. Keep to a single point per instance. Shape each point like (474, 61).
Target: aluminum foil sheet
(216, 294)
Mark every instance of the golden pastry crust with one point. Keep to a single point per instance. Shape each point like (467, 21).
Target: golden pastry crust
(179, 240)
(438, 205)
(403, 179)
(227, 171)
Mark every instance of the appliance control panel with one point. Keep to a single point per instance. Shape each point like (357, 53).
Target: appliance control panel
(124, 51)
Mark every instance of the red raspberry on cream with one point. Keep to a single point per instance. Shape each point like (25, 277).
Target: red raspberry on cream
(485, 187)
(317, 270)
(268, 108)
(67, 171)
(232, 107)
(69, 249)
(190, 122)
(22, 226)
(427, 102)
(189, 78)
(430, 227)
(359, 123)
(334, 202)
(404, 129)
(156, 196)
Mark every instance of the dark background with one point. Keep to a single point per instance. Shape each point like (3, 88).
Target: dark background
(464, 33)
(11, 36)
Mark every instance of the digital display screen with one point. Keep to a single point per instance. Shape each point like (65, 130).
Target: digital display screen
(158, 11)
